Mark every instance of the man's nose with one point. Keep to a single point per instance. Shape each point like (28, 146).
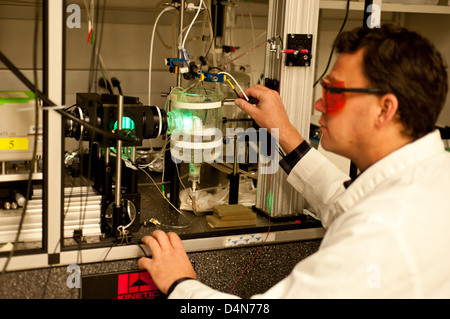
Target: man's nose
(319, 106)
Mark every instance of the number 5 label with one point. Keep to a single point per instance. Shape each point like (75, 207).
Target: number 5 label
(14, 144)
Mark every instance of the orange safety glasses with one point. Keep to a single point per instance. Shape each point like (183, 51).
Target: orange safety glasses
(333, 94)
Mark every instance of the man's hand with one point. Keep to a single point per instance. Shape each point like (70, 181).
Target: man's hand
(269, 113)
(169, 260)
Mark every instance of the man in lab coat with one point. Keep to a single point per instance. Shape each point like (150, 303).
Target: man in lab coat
(387, 231)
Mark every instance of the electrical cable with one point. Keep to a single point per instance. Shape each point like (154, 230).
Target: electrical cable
(260, 248)
(96, 57)
(161, 39)
(237, 83)
(264, 242)
(332, 49)
(89, 13)
(115, 244)
(48, 102)
(179, 211)
(213, 36)
(246, 97)
(245, 30)
(97, 45)
(210, 34)
(151, 52)
(243, 54)
(91, 36)
(254, 258)
(192, 23)
(179, 178)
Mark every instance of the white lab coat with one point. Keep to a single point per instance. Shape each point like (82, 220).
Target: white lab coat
(388, 233)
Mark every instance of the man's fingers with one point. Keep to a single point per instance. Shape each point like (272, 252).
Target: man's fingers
(145, 263)
(153, 244)
(248, 108)
(169, 260)
(162, 239)
(175, 240)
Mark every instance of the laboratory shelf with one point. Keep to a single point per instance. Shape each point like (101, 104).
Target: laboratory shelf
(387, 7)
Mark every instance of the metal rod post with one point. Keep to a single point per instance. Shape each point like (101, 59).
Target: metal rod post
(233, 197)
(181, 22)
(171, 167)
(119, 153)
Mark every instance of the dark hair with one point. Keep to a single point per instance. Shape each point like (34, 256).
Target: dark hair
(406, 64)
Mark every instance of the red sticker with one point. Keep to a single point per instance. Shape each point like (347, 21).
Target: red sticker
(138, 285)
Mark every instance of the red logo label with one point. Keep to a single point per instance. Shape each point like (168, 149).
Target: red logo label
(138, 285)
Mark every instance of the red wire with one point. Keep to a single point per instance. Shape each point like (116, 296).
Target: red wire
(246, 52)
(90, 36)
(268, 230)
(264, 242)
(254, 257)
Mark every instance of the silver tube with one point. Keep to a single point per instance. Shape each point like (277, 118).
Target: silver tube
(133, 155)
(181, 21)
(35, 165)
(107, 155)
(119, 152)
(235, 164)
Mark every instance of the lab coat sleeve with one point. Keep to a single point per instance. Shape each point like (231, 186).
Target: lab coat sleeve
(321, 183)
(349, 264)
(194, 289)
(352, 267)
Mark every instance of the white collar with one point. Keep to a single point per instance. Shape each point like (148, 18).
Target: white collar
(416, 151)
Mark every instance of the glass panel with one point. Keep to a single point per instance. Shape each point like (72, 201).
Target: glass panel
(21, 128)
(151, 185)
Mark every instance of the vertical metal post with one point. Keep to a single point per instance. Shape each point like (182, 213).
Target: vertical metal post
(233, 197)
(117, 199)
(53, 139)
(171, 167)
(275, 196)
(181, 22)
(117, 207)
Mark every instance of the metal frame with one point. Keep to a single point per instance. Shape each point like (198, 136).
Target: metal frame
(53, 138)
(115, 253)
(296, 83)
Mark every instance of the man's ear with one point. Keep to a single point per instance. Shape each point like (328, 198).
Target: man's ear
(388, 109)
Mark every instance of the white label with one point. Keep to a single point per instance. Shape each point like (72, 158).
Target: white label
(247, 239)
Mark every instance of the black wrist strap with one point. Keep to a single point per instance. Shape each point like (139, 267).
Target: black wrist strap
(291, 159)
(176, 282)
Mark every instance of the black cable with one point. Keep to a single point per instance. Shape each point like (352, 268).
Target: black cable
(48, 102)
(332, 49)
(116, 83)
(100, 39)
(212, 35)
